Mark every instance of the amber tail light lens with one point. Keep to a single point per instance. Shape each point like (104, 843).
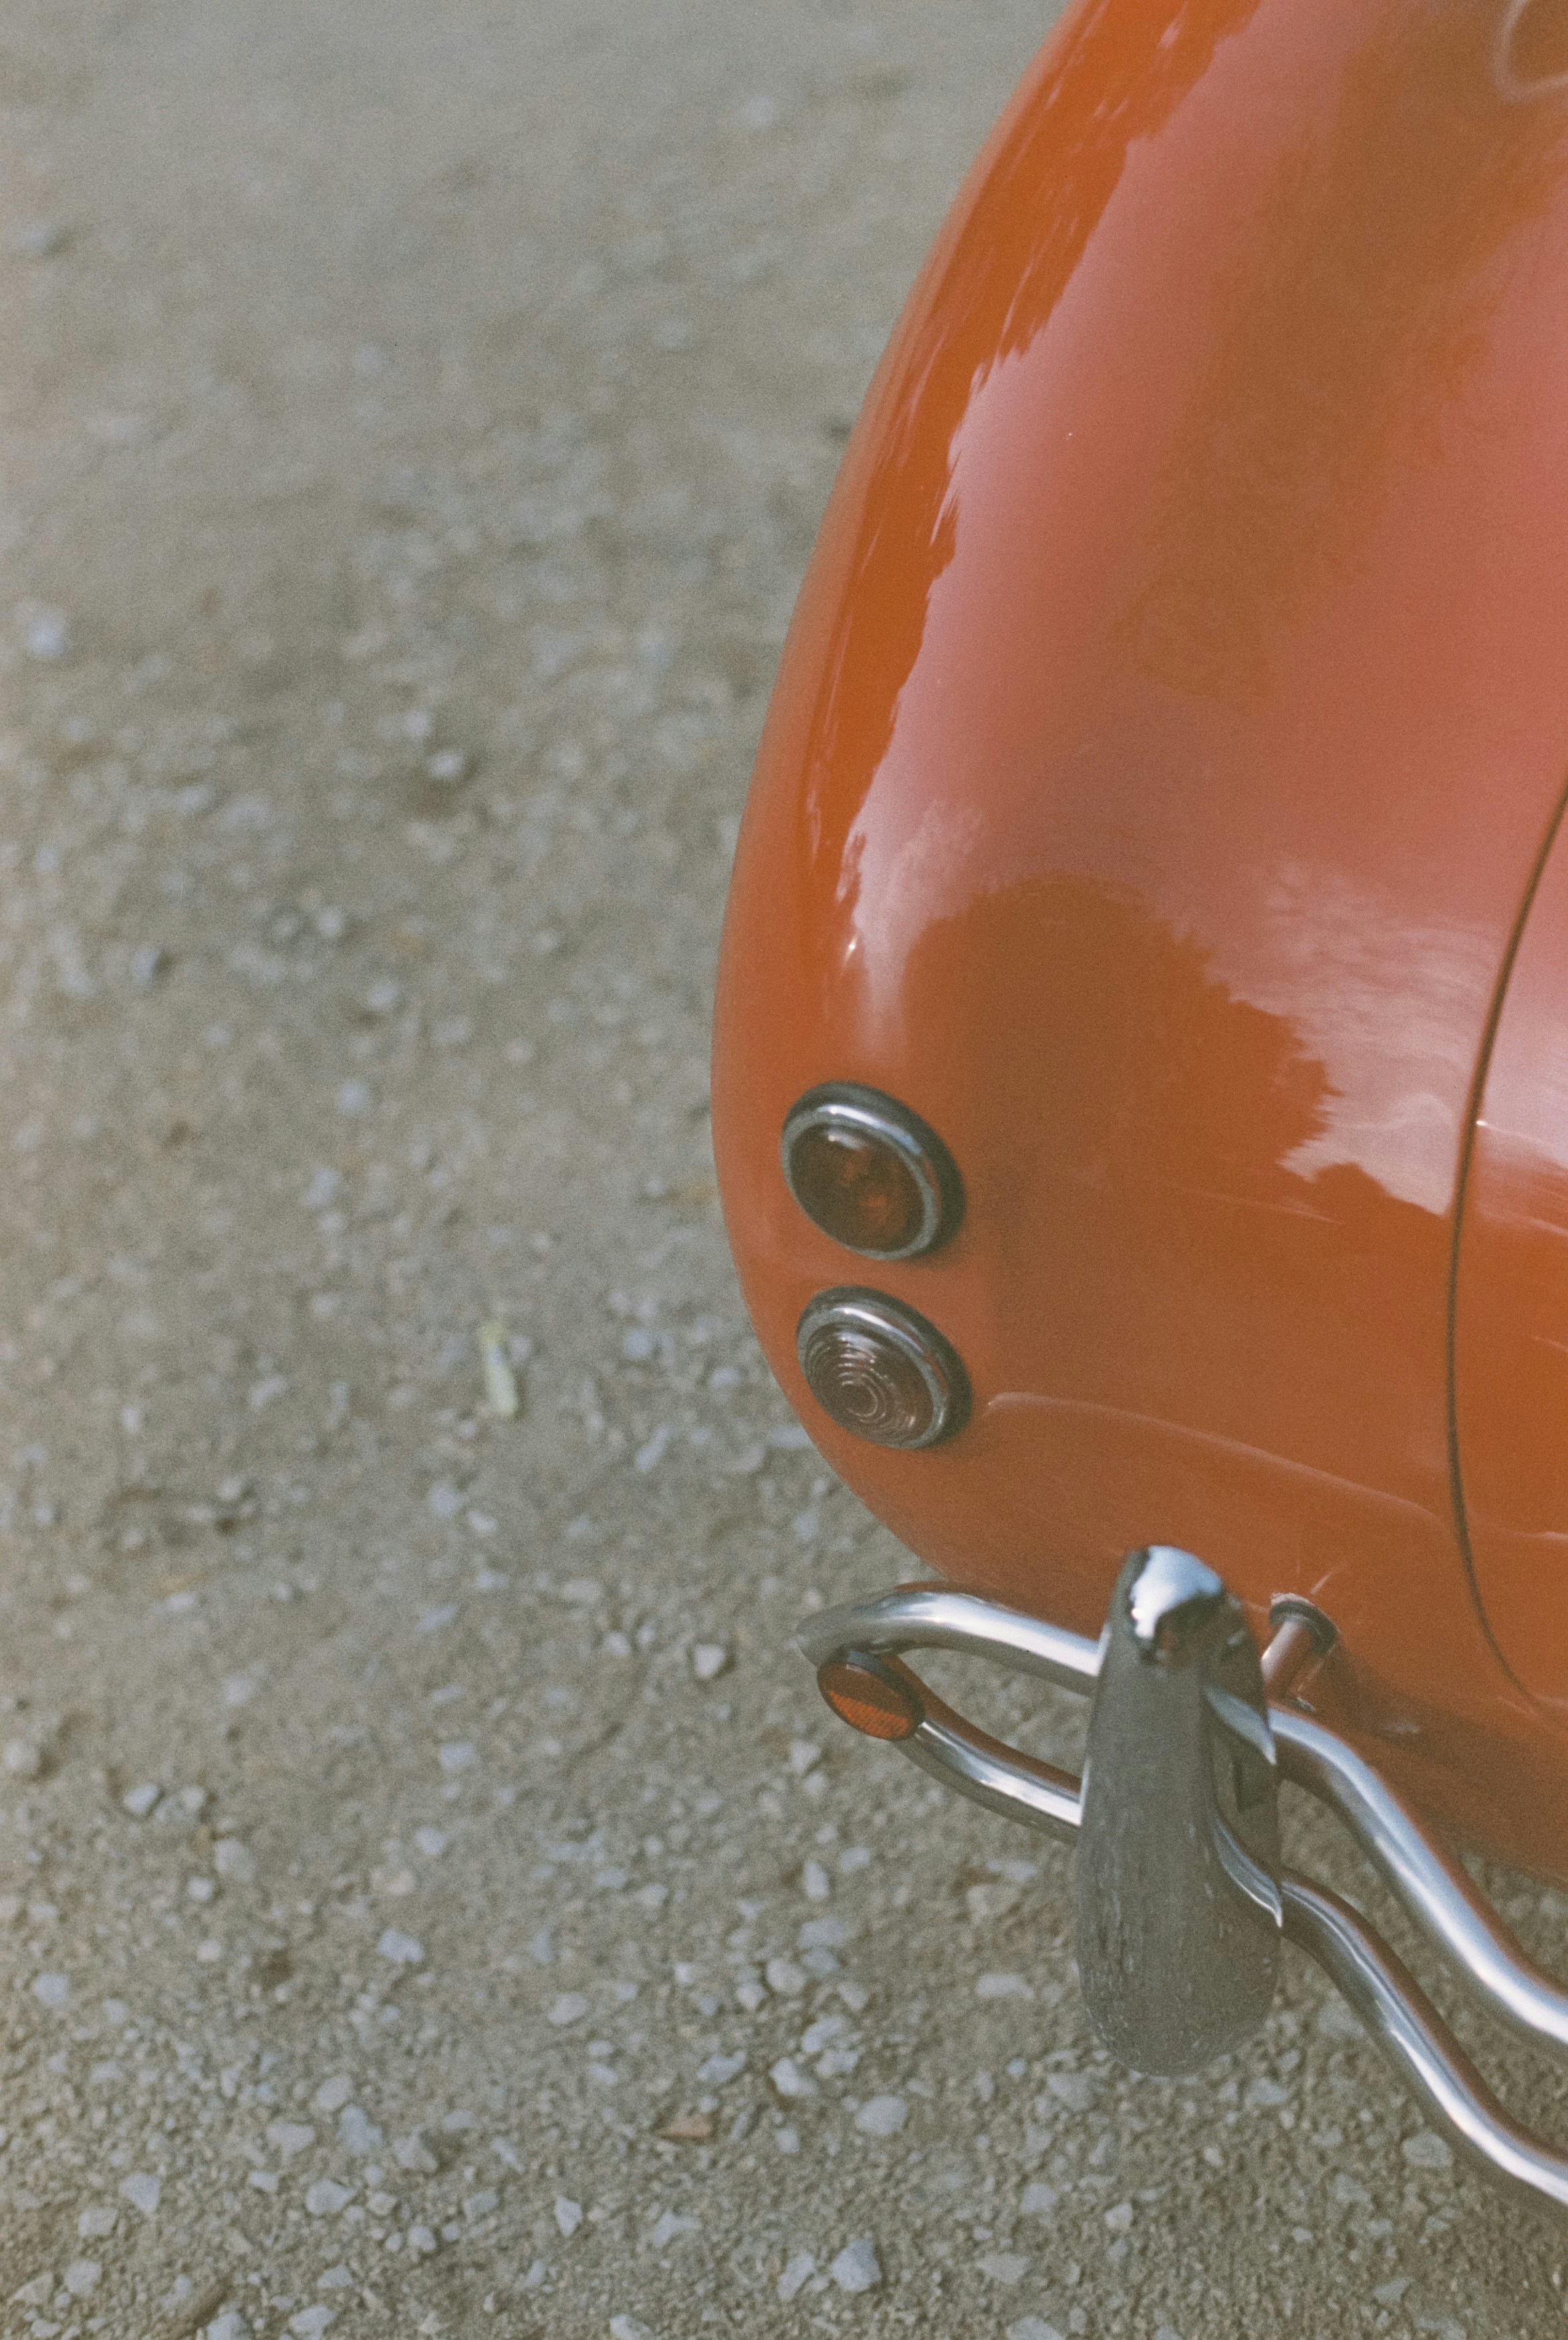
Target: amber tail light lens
(869, 1172)
(880, 1370)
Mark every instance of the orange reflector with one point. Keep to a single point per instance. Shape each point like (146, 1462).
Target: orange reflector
(871, 1696)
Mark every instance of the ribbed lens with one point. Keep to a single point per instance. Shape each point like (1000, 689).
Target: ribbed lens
(869, 1172)
(880, 1370)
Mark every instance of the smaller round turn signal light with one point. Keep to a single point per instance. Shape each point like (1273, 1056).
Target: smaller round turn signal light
(878, 1369)
(869, 1172)
(872, 1696)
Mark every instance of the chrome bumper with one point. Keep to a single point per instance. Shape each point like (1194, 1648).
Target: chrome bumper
(1434, 1890)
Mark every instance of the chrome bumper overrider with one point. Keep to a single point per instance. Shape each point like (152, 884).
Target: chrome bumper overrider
(1125, 1932)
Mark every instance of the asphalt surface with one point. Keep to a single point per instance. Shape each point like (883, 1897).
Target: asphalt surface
(432, 1899)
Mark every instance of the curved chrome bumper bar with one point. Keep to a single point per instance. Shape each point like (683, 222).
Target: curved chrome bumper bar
(1433, 1887)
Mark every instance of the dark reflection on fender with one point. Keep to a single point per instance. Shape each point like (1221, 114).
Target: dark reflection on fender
(1131, 1160)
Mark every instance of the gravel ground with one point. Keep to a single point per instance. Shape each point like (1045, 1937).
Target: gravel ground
(433, 1901)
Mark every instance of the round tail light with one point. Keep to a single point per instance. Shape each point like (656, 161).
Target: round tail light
(880, 1370)
(869, 1172)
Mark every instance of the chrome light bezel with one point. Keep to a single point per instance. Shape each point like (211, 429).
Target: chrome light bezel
(862, 1112)
(877, 1316)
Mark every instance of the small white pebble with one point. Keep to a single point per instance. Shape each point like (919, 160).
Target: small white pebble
(813, 1876)
(401, 1949)
(52, 1989)
(333, 2094)
(1076, 2090)
(652, 1451)
(458, 1755)
(856, 2267)
(141, 2191)
(569, 2007)
(1003, 2266)
(669, 2226)
(1036, 2198)
(324, 2199)
(790, 2081)
(1003, 1986)
(36, 240)
(568, 2214)
(500, 1380)
(797, 2272)
(97, 2222)
(881, 2117)
(786, 1977)
(357, 2133)
(140, 1800)
(234, 1861)
(81, 2276)
(626, 2328)
(1427, 2150)
(23, 1758)
(45, 633)
(709, 1660)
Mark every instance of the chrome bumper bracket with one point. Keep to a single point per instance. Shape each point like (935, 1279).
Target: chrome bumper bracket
(1435, 1890)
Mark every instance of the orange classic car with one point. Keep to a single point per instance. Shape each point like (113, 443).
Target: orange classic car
(1140, 1075)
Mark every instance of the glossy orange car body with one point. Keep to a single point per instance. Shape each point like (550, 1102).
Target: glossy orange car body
(1160, 795)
